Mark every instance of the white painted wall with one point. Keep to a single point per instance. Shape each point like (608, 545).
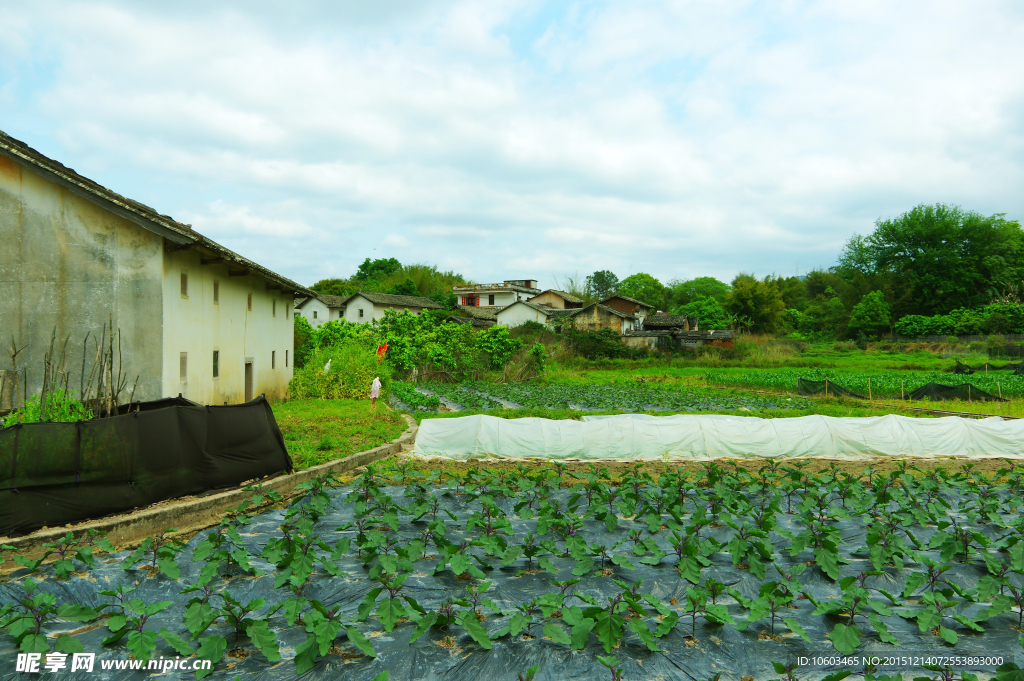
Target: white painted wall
(514, 315)
(370, 310)
(323, 313)
(197, 325)
(501, 298)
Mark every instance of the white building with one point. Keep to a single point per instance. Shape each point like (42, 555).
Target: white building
(194, 317)
(521, 312)
(320, 309)
(496, 296)
(364, 307)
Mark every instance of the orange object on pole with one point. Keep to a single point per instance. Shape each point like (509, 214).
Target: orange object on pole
(381, 349)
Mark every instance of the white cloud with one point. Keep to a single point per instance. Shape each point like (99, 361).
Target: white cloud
(679, 138)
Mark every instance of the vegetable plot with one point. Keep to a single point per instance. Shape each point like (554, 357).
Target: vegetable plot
(630, 397)
(403, 575)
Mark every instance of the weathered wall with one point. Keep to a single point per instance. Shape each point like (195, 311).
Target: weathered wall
(69, 265)
(197, 325)
(595, 319)
(550, 299)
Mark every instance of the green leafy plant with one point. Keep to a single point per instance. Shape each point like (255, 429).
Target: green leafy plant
(26, 618)
(163, 550)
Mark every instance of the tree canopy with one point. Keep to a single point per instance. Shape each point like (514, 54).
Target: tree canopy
(685, 292)
(602, 284)
(948, 257)
(643, 287)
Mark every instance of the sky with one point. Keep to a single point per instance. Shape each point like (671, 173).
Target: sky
(514, 139)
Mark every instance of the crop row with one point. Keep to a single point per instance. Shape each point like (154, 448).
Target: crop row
(685, 523)
(631, 397)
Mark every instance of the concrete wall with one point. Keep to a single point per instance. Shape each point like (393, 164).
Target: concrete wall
(68, 265)
(501, 298)
(515, 315)
(197, 325)
(371, 311)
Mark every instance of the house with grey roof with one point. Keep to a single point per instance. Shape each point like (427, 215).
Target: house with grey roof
(77, 259)
(557, 299)
(365, 306)
(496, 296)
(321, 308)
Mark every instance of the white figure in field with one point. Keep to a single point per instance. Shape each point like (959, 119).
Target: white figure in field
(327, 367)
(374, 392)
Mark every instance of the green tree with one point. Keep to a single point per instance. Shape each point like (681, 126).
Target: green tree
(602, 284)
(685, 292)
(406, 287)
(645, 288)
(870, 316)
(378, 268)
(302, 334)
(757, 300)
(334, 287)
(948, 257)
(708, 311)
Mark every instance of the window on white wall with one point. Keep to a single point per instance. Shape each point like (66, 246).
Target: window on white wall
(285, 359)
(216, 363)
(248, 303)
(184, 285)
(314, 314)
(216, 292)
(183, 366)
(273, 308)
(273, 359)
(360, 313)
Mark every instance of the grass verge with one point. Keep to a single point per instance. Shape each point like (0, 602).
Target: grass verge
(318, 431)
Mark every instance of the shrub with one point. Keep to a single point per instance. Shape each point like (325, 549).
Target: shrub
(495, 342)
(353, 366)
(708, 311)
(995, 323)
(60, 407)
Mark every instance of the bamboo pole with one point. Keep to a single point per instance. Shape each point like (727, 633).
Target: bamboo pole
(902, 395)
(869, 388)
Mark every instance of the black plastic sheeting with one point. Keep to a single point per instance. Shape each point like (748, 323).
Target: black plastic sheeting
(937, 392)
(961, 368)
(717, 648)
(52, 474)
(808, 387)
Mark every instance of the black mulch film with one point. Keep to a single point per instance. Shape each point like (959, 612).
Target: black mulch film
(989, 510)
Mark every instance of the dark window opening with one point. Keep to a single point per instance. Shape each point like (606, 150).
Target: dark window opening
(216, 363)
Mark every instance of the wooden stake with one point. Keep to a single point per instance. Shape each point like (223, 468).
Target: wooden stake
(869, 388)
(902, 395)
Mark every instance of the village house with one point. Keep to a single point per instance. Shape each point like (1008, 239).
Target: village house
(522, 311)
(597, 316)
(364, 306)
(496, 296)
(194, 317)
(630, 306)
(557, 299)
(320, 309)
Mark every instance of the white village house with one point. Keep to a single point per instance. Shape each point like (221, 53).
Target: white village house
(194, 317)
(496, 296)
(320, 309)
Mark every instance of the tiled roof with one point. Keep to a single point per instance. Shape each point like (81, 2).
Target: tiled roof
(609, 310)
(474, 321)
(401, 301)
(329, 301)
(176, 232)
(664, 321)
(562, 294)
(477, 312)
(627, 298)
(484, 288)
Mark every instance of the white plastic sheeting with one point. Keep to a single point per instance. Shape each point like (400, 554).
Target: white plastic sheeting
(640, 436)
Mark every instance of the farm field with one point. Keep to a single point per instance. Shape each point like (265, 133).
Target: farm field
(658, 573)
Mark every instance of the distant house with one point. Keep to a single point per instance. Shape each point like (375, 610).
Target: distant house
(496, 296)
(630, 306)
(77, 258)
(521, 312)
(557, 299)
(319, 309)
(364, 306)
(597, 316)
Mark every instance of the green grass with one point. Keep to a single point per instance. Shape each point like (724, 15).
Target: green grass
(318, 431)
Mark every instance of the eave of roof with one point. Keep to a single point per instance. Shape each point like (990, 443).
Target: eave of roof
(392, 299)
(176, 232)
(627, 298)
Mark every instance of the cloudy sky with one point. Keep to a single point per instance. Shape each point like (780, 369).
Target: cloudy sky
(521, 138)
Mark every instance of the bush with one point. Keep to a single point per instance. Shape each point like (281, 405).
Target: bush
(495, 342)
(60, 407)
(709, 313)
(599, 344)
(996, 323)
(353, 366)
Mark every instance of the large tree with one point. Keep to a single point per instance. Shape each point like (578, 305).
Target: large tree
(602, 284)
(685, 292)
(645, 288)
(756, 303)
(946, 256)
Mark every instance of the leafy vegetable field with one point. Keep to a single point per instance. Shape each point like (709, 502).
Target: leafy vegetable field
(883, 384)
(489, 574)
(630, 397)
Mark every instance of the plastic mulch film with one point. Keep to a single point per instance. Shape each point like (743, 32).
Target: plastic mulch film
(936, 392)
(828, 388)
(715, 648)
(712, 436)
